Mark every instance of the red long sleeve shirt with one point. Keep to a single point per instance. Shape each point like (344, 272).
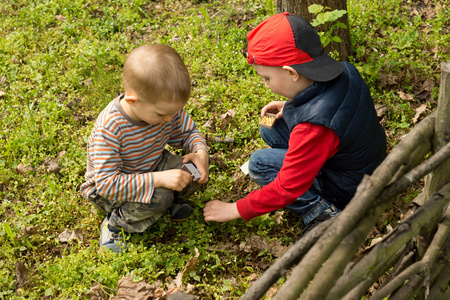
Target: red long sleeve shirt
(310, 146)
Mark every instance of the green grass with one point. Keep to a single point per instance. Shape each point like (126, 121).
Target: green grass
(60, 64)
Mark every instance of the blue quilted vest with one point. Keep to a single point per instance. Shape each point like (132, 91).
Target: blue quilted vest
(345, 106)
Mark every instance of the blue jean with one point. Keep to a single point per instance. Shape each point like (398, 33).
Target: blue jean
(265, 164)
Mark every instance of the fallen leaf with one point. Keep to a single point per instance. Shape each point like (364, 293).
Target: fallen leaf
(387, 79)
(419, 111)
(52, 164)
(129, 290)
(226, 118)
(180, 296)
(428, 85)
(2, 79)
(96, 293)
(423, 95)
(175, 39)
(60, 18)
(53, 167)
(193, 261)
(209, 125)
(253, 243)
(69, 235)
(381, 110)
(22, 169)
(2, 93)
(278, 217)
(32, 229)
(406, 97)
(21, 274)
(87, 82)
(252, 277)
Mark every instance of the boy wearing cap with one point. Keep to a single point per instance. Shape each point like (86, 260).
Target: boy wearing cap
(326, 136)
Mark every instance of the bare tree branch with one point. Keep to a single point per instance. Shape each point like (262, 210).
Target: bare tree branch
(284, 263)
(426, 263)
(367, 192)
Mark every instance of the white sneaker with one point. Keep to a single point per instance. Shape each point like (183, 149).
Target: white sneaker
(110, 239)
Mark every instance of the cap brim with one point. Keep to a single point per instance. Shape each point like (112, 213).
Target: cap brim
(322, 68)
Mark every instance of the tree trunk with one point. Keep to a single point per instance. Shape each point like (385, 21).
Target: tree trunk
(300, 7)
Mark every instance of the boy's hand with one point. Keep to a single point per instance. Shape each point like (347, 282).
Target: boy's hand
(201, 161)
(174, 179)
(274, 107)
(220, 211)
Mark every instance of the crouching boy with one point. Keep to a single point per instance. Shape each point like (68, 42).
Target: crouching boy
(130, 175)
(326, 137)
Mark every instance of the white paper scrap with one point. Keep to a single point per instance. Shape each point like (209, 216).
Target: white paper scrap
(244, 168)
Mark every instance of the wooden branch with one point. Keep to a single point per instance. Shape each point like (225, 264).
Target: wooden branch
(442, 134)
(325, 279)
(441, 276)
(408, 289)
(402, 264)
(366, 283)
(415, 159)
(284, 263)
(367, 192)
(426, 263)
(393, 242)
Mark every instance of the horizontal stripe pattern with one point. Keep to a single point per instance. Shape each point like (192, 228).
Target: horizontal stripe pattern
(121, 155)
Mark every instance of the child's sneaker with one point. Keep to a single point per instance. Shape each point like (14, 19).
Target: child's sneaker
(180, 212)
(111, 238)
(328, 213)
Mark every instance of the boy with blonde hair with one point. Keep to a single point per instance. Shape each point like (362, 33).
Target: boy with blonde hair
(326, 136)
(130, 175)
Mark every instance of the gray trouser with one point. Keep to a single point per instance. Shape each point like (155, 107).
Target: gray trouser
(137, 217)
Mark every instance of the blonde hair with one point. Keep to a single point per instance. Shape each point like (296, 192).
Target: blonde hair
(156, 72)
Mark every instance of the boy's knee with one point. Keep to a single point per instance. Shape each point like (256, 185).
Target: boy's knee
(162, 199)
(254, 164)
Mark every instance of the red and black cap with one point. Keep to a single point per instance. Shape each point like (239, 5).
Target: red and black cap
(290, 40)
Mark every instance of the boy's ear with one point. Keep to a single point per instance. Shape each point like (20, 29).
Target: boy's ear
(130, 99)
(292, 72)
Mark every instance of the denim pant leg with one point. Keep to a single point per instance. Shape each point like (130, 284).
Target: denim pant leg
(278, 136)
(264, 165)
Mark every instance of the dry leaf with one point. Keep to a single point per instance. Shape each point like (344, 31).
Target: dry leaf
(129, 290)
(419, 111)
(193, 261)
(406, 97)
(52, 164)
(87, 82)
(21, 274)
(381, 110)
(96, 293)
(252, 277)
(253, 244)
(180, 296)
(428, 85)
(68, 235)
(60, 18)
(278, 217)
(2, 93)
(53, 167)
(22, 169)
(226, 118)
(209, 125)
